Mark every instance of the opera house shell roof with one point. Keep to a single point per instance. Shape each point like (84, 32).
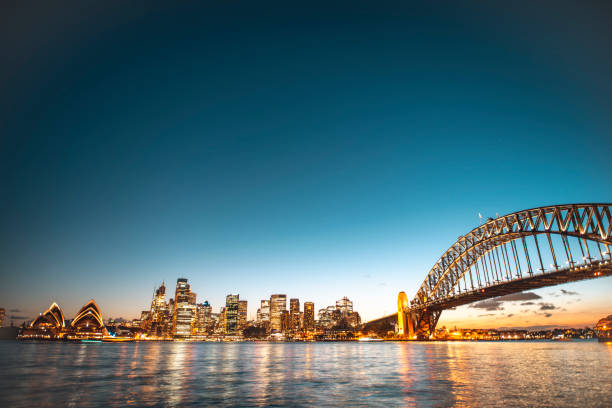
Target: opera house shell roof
(51, 323)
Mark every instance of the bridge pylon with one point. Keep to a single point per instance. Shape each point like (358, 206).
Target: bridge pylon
(415, 324)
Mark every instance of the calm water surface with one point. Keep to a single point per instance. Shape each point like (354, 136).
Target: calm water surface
(551, 374)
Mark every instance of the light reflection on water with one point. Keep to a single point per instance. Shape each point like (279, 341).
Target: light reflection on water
(305, 374)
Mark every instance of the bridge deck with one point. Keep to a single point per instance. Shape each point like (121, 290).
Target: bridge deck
(595, 270)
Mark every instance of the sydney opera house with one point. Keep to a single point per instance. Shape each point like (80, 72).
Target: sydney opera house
(87, 324)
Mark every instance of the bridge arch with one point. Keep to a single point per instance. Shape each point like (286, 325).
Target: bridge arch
(506, 255)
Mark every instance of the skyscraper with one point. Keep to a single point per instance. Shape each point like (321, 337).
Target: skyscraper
(345, 306)
(231, 314)
(278, 303)
(285, 320)
(264, 311)
(192, 298)
(203, 319)
(309, 315)
(242, 314)
(182, 291)
(2, 312)
(183, 310)
(294, 312)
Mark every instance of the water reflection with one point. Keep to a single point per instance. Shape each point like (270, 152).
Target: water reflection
(304, 374)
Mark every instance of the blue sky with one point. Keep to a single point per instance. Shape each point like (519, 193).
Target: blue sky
(318, 151)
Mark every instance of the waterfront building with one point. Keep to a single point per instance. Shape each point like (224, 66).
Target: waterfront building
(345, 306)
(160, 323)
(278, 303)
(231, 314)
(203, 319)
(221, 322)
(294, 312)
(285, 321)
(49, 324)
(183, 322)
(192, 298)
(263, 313)
(2, 313)
(242, 314)
(145, 319)
(182, 291)
(182, 317)
(308, 323)
(88, 322)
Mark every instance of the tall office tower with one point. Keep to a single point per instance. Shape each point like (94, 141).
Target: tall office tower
(182, 291)
(2, 312)
(231, 314)
(158, 305)
(278, 303)
(309, 315)
(183, 322)
(183, 311)
(192, 298)
(285, 318)
(345, 306)
(202, 317)
(221, 322)
(207, 311)
(294, 311)
(264, 311)
(145, 320)
(242, 314)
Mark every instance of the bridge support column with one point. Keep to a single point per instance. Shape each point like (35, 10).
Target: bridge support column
(423, 323)
(415, 324)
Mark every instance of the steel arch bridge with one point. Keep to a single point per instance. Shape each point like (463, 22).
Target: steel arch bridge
(527, 249)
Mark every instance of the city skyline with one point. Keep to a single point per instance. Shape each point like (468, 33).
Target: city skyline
(341, 157)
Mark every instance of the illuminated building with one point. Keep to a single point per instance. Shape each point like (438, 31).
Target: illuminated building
(263, 313)
(49, 324)
(278, 303)
(182, 291)
(294, 312)
(2, 312)
(192, 298)
(145, 319)
(160, 323)
(345, 306)
(285, 320)
(88, 322)
(221, 322)
(231, 314)
(242, 314)
(183, 316)
(184, 313)
(308, 316)
(203, 319)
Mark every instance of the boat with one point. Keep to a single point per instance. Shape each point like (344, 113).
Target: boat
(90, 341)
(111, 339)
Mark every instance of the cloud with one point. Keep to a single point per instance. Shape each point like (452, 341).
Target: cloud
(497, 303)
(519, 296)
(510, 315)
(527, 304)
(547, 314)
(489, 305)
(15, 310)
(569, 292)
(547, 306)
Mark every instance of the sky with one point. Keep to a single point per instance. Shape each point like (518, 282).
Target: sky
(319, 150)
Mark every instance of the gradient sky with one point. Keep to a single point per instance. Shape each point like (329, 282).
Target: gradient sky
(319, 150)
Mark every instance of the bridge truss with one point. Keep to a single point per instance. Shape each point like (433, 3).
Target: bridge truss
(528, 249)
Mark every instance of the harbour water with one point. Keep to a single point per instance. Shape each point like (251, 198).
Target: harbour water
(170, 374)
